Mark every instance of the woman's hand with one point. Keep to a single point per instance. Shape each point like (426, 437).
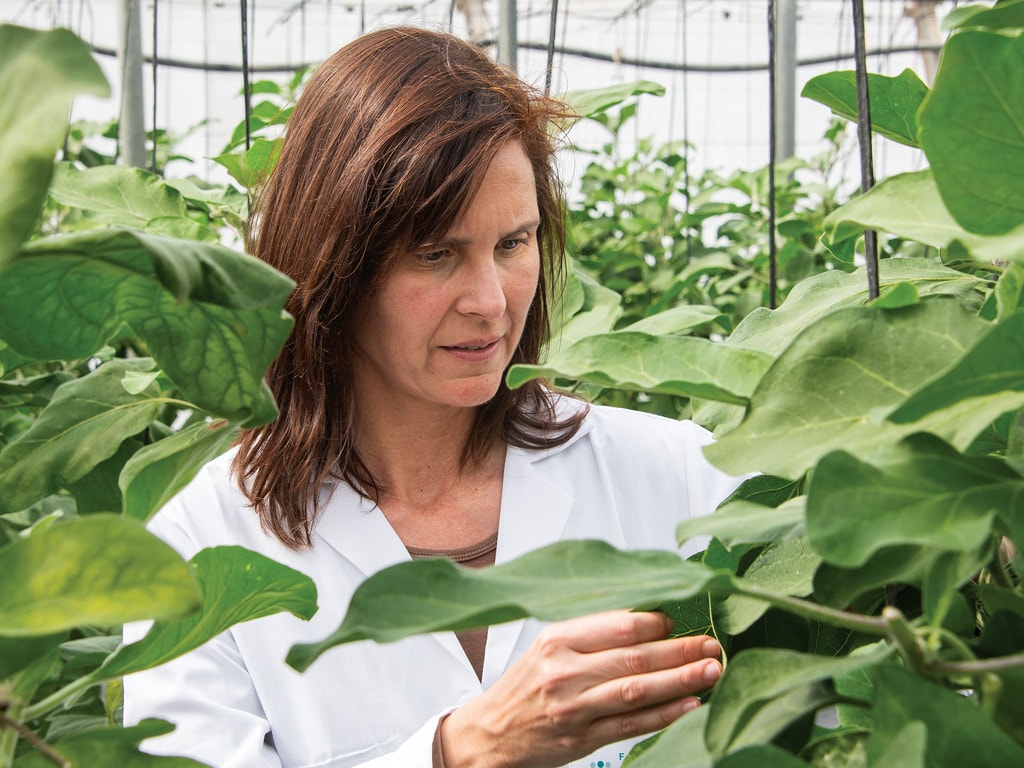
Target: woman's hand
(582, 684)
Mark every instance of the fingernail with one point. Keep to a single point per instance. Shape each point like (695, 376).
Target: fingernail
(711, 648)
(712, 672)
(690, 704)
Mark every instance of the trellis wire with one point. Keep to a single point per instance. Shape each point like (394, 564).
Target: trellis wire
(867, 172)
(246, 94)
(155, 67)
(773, 276)
(552, 26)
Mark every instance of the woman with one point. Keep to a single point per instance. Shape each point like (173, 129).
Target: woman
(416, 207)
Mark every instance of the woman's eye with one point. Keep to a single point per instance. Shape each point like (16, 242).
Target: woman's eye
(512, 243)
(431, 257)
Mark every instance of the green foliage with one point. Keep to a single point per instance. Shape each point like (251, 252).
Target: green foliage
(873, 571)
(129, 357)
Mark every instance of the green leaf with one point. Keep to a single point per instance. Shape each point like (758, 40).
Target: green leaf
(594, 101)
(894, 101)
(772, 331)
(928, 495)
(829, 388)
(1008, 14)
(992, 365)
(783, 567)
(110, 746)
(211, 317)
(909, 205)
(40, 74)
(907, 748)
(159, 470)
(677, 320)
(972, 130)
(669, 364)
(900, 295)
(254, 166)
(17, 653)
(101, 569)
(760, 756)
(237, 585)
(116, 195)
(839, 587)
(560, 581)
(597, 311)
(681, 745)
(745, 522)
(901, 698)
(764, 689)
(84, 424)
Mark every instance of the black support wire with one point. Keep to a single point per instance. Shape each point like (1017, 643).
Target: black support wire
(867, 167)
(154, 68)
(246, 87)
(773, 256)
(552, 25)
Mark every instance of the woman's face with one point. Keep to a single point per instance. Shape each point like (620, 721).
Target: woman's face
(443, 327)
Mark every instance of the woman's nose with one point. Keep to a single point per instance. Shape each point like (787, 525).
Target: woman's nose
(482, 291)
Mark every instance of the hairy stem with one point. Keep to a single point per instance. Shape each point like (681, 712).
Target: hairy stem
(872, 625)
(978, 667)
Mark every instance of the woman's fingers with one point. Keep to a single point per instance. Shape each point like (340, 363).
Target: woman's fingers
(611, 629)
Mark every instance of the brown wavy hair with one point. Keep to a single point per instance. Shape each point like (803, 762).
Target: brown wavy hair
(387, 145)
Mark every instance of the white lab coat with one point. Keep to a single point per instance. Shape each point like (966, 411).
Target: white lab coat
(627, 478)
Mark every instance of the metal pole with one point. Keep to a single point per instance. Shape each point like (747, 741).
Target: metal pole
(131, 132)
(508, 38)
(785, 82)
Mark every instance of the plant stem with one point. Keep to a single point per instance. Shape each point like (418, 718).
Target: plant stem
(8, 735)
(870, 624)
(54, 700)
(19, 728)
(980, 666)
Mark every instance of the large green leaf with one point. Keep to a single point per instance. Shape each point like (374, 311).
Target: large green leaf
(928, 495)
(772, 331)
(116, 195)
(84, 424)
(894, 101)
(960, 733)
(40, 74)
(110, 747)
(677, 320)
(830, 388)
(674, 365)
(972, 130)
(102, 569)
(994, 364)
(562, 580)
(681, 745)
(784, 567)
(211, 317)
(764, 689)
(237, 585)
(158, 471)
(909, 205)
(744, 522)
(762, 756)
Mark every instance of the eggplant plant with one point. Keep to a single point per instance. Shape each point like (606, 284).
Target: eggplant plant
(865, 583)
(132, 349)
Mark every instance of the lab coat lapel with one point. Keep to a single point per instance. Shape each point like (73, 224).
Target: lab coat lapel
(358, 530)
(534, 512)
